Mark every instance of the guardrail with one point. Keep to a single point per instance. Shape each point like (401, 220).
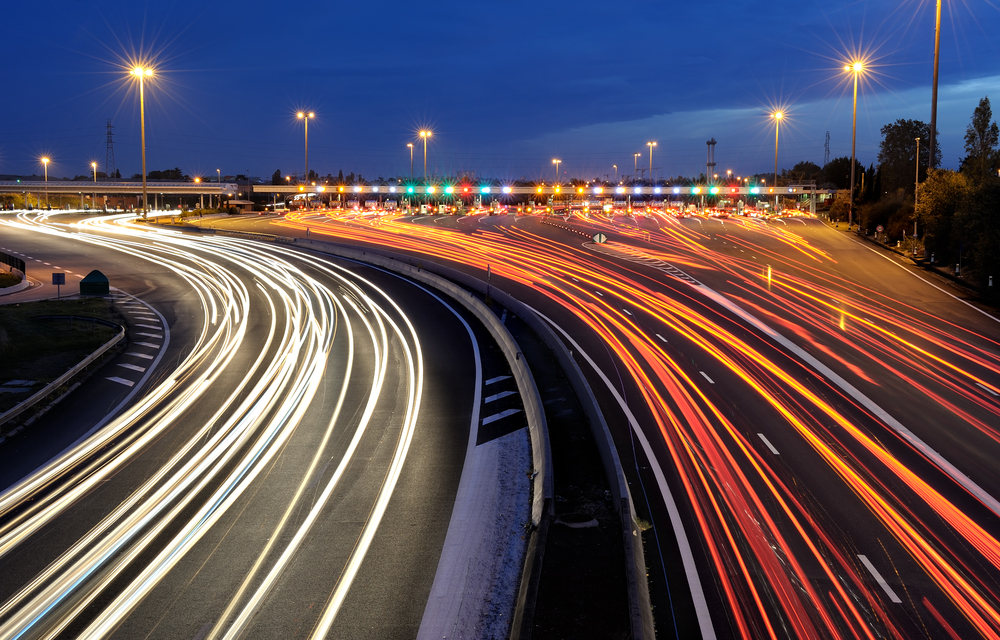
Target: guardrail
(58, 382)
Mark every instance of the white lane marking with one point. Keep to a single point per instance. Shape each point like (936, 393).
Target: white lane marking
(503, 317)
(133, 367)
(149, 335)
(936, 458)
(139, 355)
(988, 390)
(627, 311)
(710, 381)
(971, 306)
(497, 396)
(662, 339)
(148, 344)
(680, 533)
(127, 383)
(496, 380)
(879, 579)
(769, 445)
(599, 293)
(148, 326)
(497, 416)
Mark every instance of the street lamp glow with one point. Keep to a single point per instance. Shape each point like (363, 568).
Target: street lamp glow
(304, 117)
(856, 68)
(142, 73)
(651, 145)
(424, 134)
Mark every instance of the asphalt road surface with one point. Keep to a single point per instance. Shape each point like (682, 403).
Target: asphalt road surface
(809, 424)
(287, 468)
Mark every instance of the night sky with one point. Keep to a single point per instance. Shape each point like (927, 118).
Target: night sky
(504, 86)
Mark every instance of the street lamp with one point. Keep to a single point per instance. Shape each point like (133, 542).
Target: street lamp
(635, 172)
(934, 86)
(142, 73)
(729, 175)
(45, 164)
(916, 188)
(616, 172)
(302, 115)
(425, 134)
(650, 145)
(556, 162)
(856, 68)
(410, 145)
(777, 115)
(93, 198)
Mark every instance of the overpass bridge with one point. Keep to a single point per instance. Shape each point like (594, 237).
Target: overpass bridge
(445, 190)
(157, 190)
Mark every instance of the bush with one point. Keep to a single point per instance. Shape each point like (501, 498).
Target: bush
(8, 279)
(234, 211)
(894, 212)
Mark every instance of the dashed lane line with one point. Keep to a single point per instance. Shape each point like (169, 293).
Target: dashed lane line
(498, 416)
(879, 579)
(139, 355)
(497, 396)
(127, 383)
(768, 443)
(710, 381)
(152, 345)
(133, 367)
(496, 380)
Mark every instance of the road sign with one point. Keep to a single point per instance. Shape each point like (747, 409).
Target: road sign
(600, 238)
(880, 228)
(58, 278)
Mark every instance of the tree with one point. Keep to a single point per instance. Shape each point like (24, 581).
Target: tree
(838, 173)
(276, 177)
(940, 197)
(981, 137)
(977, 228)
(804, 170)
(897, 154)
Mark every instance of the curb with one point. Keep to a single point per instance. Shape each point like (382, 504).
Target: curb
(21, 286)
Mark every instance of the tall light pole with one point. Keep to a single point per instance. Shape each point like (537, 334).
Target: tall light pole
(410, 145)
(856, 68)
(934, 86)
(556, 162)
(45, 165)
(635, 169)
(650, 145)
(425, 134)
(302, 115)
(916, 189)
(777, 115)
(142, 73)
(93, 197)
(616, 173)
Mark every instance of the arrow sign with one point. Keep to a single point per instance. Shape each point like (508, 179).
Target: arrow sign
(600, 238)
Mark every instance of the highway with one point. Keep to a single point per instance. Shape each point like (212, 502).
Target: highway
(809, 424)
(287, 467)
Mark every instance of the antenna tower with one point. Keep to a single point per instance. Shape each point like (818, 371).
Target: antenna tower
(109, 158)
(826, 150)
(710, 165)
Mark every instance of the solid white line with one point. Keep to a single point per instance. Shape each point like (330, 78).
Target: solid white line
(710, 381)
(133, 367)
(502, 394)
(971, 306)
(139, 355)
(148, 344)
(988, 390)
(497, 416)
(879, 579)
(127, 383)
(662, 339)
(495, 380)
(680, 533)
(769, 445)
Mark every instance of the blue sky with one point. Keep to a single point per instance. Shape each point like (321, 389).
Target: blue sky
(505, 86)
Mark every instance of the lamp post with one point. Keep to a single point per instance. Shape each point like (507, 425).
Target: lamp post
(650, 145)
(934, 86)
(143, 73)
(93, 196)
(616, 173)
(556, 162)
(410, 145)
(856, 68)
(777, 115)
(425, 134)
(302, 115)
(916, 189)
(635, 172)
(45, 165)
